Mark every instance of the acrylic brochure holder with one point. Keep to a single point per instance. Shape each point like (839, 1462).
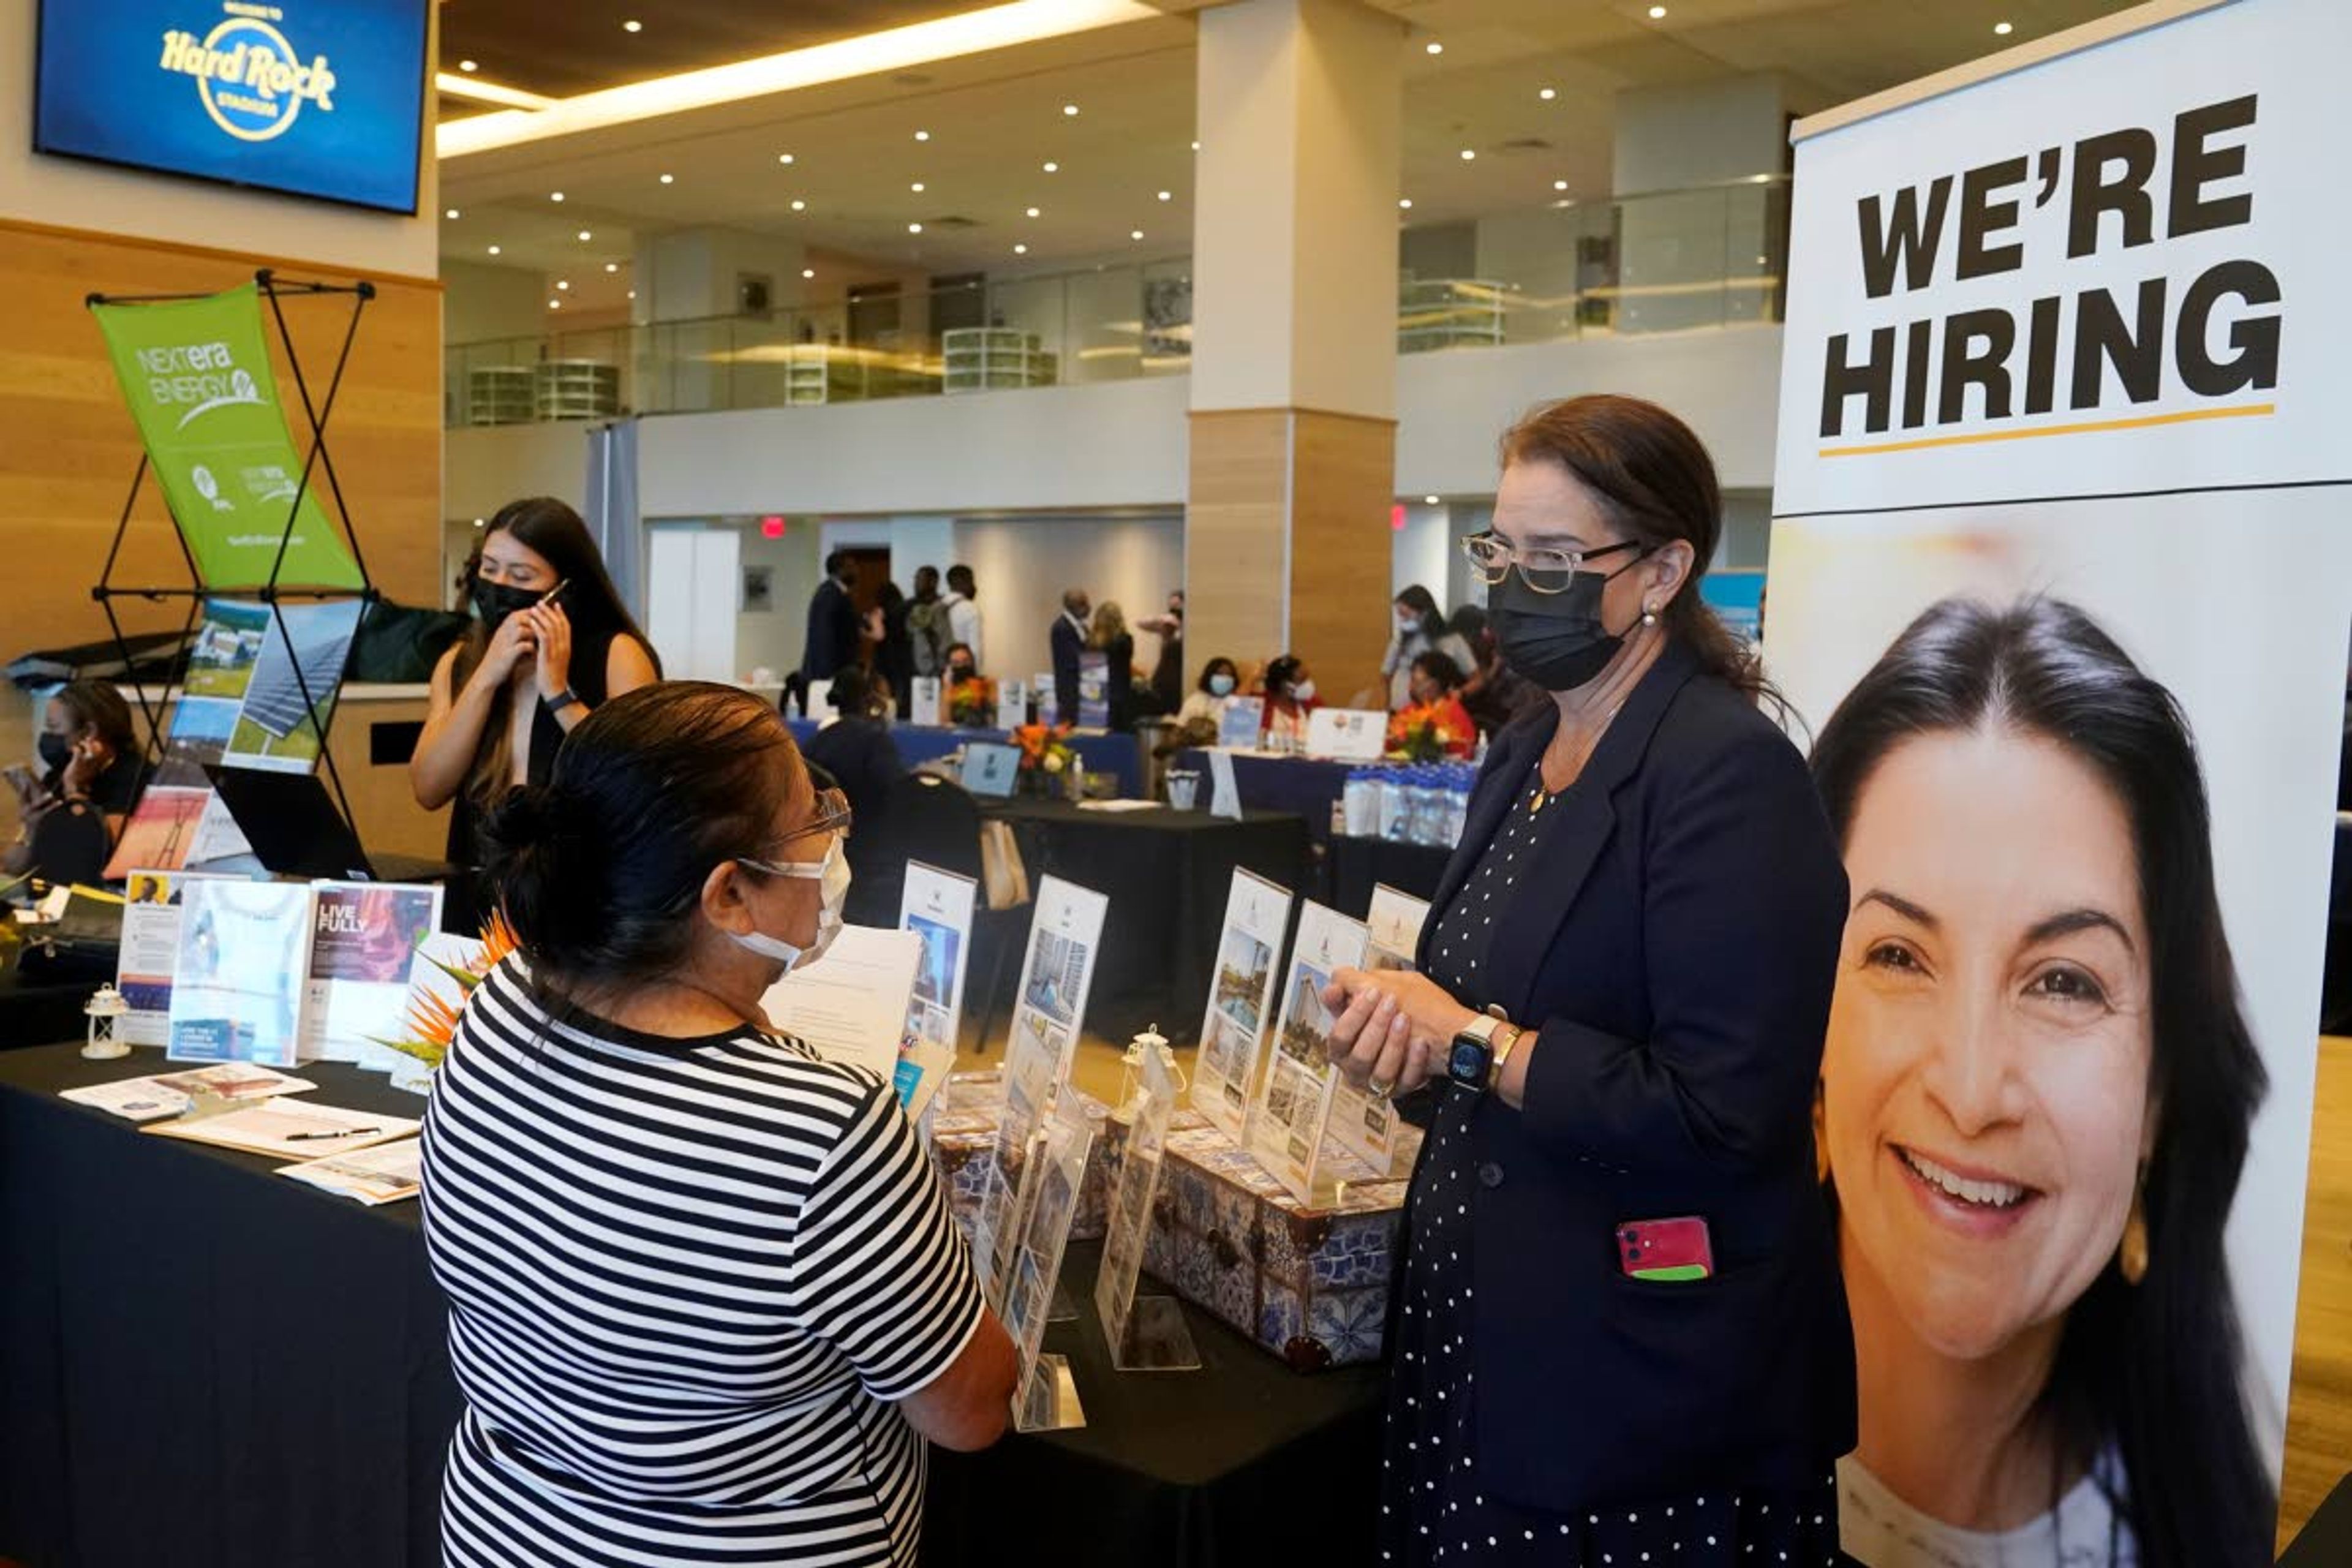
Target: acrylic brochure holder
(1047, 1397)
(1146, 1333)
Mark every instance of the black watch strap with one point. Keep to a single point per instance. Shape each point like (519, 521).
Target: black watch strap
(560, 701)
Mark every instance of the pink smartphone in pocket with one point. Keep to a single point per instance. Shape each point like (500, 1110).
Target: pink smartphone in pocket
(1664, 1249)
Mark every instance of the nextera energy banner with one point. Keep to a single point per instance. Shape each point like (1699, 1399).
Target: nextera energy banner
(197, 375)
(2062, 582)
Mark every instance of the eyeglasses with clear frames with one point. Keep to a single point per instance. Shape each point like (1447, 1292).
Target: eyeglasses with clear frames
(1546, 571)
(832, 816)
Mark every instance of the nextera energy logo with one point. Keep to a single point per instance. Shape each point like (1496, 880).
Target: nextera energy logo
(199, 377)
(252, 82)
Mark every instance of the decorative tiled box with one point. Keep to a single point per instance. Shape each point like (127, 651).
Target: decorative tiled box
(1311, 1284)
(964, 1135)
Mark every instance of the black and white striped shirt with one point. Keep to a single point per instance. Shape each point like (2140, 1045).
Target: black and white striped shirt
(685, 1278)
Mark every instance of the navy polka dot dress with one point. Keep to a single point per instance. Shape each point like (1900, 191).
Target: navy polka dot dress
(1434, 1508)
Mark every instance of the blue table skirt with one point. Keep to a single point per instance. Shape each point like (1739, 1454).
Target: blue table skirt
(920, 743)
(1297, 784)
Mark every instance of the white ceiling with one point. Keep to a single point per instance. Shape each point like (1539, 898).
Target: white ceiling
(993, 120)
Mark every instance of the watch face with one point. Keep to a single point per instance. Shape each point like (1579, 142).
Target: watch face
(1466, 1064)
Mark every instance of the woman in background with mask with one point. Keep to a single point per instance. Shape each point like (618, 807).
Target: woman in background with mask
(92, 767)
(1613, 1038)
(551, 641)
(1219, 679)
(1289, 698)
(704, 1291)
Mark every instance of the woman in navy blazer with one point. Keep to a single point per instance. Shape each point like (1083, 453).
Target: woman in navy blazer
(1625, 981)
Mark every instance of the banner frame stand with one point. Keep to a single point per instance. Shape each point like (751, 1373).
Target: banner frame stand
(317, 413)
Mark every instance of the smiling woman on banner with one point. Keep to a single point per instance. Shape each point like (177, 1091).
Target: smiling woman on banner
(551, 640)
(707, 1300)
(1620, 1333)
(2035, 1105)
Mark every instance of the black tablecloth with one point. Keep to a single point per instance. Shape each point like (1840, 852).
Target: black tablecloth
(1167, 874)
(1359, 865)
(206, 1366)
(36, 1012)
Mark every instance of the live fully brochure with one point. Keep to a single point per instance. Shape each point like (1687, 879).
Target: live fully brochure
(363, 945)
(240, 972)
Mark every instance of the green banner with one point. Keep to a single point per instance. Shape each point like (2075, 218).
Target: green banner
(197, 375)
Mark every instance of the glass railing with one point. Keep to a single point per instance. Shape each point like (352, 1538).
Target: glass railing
(1678, 261)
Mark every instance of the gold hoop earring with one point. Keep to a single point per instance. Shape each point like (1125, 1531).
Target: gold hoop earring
(2131, 1255)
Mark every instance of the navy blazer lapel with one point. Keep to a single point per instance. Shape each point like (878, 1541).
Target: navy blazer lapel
(1547, 889)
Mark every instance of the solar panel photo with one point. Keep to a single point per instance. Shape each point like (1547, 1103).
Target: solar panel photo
(274, 699)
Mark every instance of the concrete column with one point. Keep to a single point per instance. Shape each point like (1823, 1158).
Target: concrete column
(1294, 356)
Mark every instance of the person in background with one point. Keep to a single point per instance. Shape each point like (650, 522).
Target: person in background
(857, 750)
(1493, 692)
(1621, 988)
(962, 664)
(1420, 628)
(894, 653)
(535, 664)
(2035, 1105)
(927, 624)
(726, 1335)
(91, 765)
(963, 613)
(833, 623)
(1289, 698)
(1109, 636)
(1167, 674)
(1067, 639)
(1436, 680)
(1206, 706)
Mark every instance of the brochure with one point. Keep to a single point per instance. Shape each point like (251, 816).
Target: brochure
(170, 1094)
(238, 980)
(151, 944)
(1136, 1195)
(290, 1129)
(1094, 690)
(851, 1004)
(937, 907)
(1347, 734)
(363, 941)
(1241, 997)
(923, 704)
(1241, 724)
(1012, 704)
(290, 685)
(1293, 1106)
(384, 1174)
(1363, 1126)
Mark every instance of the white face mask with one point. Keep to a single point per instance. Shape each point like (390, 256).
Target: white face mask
(1304, 691)
(833, 872)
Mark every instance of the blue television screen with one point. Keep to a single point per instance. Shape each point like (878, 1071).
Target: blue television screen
(318, 97)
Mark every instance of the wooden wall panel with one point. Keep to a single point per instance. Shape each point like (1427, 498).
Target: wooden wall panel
(1344, 482)
(1234, 523)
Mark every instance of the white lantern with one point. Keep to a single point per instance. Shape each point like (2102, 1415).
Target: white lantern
(102, 1010)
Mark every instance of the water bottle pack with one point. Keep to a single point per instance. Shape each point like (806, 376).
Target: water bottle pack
(1417, 802)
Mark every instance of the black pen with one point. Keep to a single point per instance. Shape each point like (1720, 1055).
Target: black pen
(345, 1133)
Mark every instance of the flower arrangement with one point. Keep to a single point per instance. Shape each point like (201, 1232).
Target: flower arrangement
(1429, 732)
(432, 1017)
(1045, 748)
(972, 703)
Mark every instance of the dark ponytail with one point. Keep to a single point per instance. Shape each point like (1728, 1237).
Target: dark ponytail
(599, 869)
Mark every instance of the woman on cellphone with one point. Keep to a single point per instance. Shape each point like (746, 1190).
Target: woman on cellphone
(550, 642)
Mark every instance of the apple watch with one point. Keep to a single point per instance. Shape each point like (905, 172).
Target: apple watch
(1472, 1062)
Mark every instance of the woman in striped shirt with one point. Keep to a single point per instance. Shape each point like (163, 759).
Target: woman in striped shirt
(706, 1299)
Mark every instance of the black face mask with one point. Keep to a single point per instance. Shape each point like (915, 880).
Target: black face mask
(957, 672)
(1556, 640)
(494, 602)
(57, 751)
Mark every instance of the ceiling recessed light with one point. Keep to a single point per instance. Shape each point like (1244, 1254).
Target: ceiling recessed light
(808, 272)
(586, 235)
(916, 187)
(799, 205)
(1053, 168)
(470, 66)
(783, 157)
(633, 25)
(555, 304)
(1196, 146)
(1070, 110)
(1020, 250)
(555, 195)
(1657, 12)
(1405, 202)
(449, 212)
(668, 179)
(1429, 500)
(922, 135)
(612, 267)
(2002, 28)
(1468, 154)
(1548, 94)
(563, 285)
(914, 229)
(1167, 195)
(493, 250)
(1135, 234)
(1559, 184)
(632, 293)
(1434, 48)
(1032, 212)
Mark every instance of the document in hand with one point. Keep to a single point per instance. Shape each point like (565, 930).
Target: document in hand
(851, 1004)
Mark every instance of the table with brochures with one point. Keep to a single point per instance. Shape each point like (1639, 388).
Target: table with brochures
(205, 1364)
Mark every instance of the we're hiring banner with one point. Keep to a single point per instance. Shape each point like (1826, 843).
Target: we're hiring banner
(2061, 586)
(197, 377)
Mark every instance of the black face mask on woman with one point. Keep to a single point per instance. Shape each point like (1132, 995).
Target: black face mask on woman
(1557, 640)
(56, 751)
(494, 602)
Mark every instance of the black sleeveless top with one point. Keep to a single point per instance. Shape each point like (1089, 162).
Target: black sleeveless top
(592, 651)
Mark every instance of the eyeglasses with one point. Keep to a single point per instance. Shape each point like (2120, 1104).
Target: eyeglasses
(1546, 571)
(832, 816)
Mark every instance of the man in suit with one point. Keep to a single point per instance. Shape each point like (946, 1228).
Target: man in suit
(832, 621)
(1069, 639)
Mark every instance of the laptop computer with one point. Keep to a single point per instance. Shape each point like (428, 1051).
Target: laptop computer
(989, 769)
(295, 830)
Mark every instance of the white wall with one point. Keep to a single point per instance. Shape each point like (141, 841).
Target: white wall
(70, 194)
(1421, 550)
(775, 637)
(481, 302)
(1673, 137)
(1022, 566)
(484, 468)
